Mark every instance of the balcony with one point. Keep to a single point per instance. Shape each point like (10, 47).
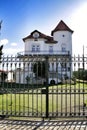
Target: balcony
(32, 53)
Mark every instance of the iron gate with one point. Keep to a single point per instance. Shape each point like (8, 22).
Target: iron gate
(48, 86)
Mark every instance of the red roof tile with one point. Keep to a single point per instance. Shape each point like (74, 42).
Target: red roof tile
(61, 27)
(3, 71)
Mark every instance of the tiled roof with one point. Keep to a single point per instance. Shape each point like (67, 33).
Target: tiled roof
(61, 27)
(49, 39)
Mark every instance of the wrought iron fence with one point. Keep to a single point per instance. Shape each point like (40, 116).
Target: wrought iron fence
(43, 86)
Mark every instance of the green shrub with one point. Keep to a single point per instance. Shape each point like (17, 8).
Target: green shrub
(80, 74)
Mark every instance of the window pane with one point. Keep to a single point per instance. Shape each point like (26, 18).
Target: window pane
(50, 48)
(33, 48)
(38, 48)
(63, 47)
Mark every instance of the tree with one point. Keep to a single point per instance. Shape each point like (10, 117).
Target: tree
(39, 69)
(1, 47)
(0, 24)
(80, 74)
(3, 74)
(28, 79)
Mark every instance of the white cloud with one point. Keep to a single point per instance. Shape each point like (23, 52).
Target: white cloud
(13, 44)
(12, 51)
(79, 24)
(4, 41)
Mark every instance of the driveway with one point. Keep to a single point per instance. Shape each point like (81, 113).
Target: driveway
(42, 125)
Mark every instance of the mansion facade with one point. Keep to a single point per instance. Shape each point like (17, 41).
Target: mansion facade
(58, 49)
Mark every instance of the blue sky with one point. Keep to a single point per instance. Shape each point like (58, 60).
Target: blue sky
(21, 17)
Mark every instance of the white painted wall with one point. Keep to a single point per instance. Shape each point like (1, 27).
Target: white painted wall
(67, 40)
(44, 47)
(21, 76)
(62, 38)
(10, 77)
(29, 43)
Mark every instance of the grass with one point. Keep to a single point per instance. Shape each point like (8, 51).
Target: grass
(31, 101)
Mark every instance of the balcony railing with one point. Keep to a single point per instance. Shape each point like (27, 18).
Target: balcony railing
(27, 53)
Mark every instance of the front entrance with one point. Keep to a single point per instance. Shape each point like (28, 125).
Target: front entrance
(52, 82)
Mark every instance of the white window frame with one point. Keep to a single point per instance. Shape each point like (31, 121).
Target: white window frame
(33, 48)
(63, 47)
(51, 49)
(38, 48)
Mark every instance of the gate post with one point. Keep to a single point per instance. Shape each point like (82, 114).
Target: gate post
(46, 76)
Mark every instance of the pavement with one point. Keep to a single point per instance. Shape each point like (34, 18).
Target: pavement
(7, 124)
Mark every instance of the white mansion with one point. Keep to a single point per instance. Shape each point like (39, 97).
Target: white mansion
(59, 45)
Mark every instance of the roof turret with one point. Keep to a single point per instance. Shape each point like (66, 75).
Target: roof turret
(61, 27)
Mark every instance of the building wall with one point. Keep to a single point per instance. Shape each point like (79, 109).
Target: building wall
(29, 43)
(64, 39)
(10, 77)
(62, 47)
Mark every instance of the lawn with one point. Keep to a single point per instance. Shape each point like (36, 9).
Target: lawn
(31, 102)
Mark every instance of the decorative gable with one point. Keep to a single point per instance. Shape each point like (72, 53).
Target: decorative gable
(36, 35)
